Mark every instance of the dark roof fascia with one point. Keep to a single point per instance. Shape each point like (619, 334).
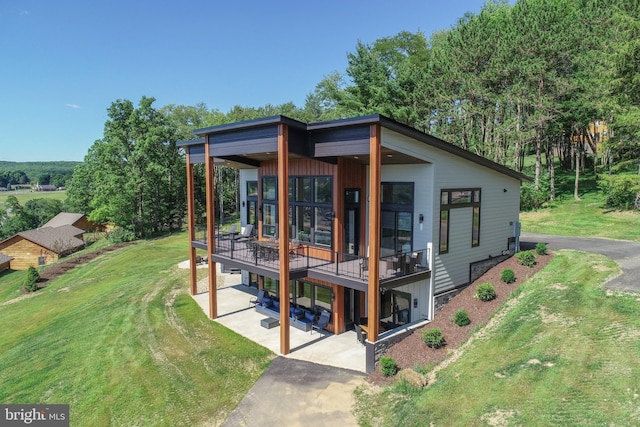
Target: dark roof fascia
(453, 149)
(420, 136)
(354, 121)
(198, 141)
(247, 124)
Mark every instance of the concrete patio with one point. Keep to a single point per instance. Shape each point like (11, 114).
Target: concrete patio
(235, 312)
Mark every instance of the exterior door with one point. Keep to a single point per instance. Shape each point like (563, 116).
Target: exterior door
(352, 221)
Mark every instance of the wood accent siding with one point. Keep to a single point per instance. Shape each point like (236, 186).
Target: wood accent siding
(351, 174)
(26, 253)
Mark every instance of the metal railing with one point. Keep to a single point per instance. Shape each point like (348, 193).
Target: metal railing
(266, 253)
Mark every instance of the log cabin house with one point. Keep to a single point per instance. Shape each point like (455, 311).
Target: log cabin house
(41, 246)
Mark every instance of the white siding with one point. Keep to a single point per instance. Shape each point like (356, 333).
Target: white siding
(245, 175)
(499, 209)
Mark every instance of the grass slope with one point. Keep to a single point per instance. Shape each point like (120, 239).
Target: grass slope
(121, 341)
(567, 353)
(588, 217)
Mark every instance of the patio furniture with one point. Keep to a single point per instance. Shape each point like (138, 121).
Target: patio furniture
(245, 234)
(322, 321)
(259, 299)
(269, 323)
(230, 233)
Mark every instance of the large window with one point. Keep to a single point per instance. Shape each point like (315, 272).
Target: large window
(455, 199)
(311, 209)
(269, 206)
(305, 295)
(396, 222)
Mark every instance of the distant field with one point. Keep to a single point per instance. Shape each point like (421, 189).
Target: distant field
(24, 196)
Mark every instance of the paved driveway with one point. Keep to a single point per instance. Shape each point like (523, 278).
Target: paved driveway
(295, 393)
(625, 253)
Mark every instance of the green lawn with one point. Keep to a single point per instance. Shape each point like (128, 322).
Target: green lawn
(122, 342)
(568, 353)
(24, 196)
(587, 217)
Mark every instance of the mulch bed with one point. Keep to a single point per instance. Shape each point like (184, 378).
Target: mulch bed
(55, 270)
(412, 351)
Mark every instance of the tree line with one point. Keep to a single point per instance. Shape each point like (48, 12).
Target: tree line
(512, 81)
(31, 173)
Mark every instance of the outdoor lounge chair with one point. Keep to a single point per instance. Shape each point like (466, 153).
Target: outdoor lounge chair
(230, 233)
(246, 232)
(258, 299)
(322, 321)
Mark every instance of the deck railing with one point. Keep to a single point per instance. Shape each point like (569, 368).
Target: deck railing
(250, 250)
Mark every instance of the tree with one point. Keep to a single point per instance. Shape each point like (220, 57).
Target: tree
(133, 177)
(15, 219)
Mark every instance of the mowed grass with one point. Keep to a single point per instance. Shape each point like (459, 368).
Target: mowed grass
(24, 196)
(588, 217)
(122, 342)
(566, 353)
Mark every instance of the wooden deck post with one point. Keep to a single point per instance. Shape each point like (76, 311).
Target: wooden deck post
(191, 225)
(211, 230)
(283, 234)
(373, 288)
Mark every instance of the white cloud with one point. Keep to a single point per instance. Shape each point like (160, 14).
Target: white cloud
(75, 106)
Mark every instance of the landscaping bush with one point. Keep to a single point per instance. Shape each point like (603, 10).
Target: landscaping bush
(388, 366)
(121, 235)
(526, 258)
(31, 281)
(462, 318)
(508, 276)
(541, 249)
(485, 292)
(433, 338)
(621, 190)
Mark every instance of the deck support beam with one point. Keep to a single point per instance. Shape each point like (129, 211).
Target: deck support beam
(373, 288)
(211, 227)
(191, 225)
(283, 234)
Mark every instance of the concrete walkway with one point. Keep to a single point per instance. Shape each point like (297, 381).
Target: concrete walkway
(625, 253)
(311, 386)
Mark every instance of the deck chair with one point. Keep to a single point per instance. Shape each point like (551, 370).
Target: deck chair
(230, 232)
(322, 321)
(258, 299)
(246, 232)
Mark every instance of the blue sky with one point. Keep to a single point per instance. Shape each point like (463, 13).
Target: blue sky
(64, 62)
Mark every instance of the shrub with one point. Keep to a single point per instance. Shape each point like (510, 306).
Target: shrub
(121, 235)
(462, 318)
(388, 366)
(485, 292)
(433, 338)
(31, 281)
(621, 190)
(526, 258)
(508, 276)
(541, 249)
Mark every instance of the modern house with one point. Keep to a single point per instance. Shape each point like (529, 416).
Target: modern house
(364, 218)
(41, 246)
